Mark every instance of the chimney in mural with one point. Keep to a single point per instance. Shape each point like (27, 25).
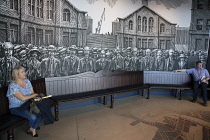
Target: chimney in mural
(145, 2)
(89, 22)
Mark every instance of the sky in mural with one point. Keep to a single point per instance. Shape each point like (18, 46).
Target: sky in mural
(175, 11)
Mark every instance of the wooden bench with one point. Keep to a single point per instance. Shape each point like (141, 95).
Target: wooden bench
(8, 121)
(91, 85)
(168, 80)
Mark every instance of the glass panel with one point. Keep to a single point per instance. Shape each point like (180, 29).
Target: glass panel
(66, 39)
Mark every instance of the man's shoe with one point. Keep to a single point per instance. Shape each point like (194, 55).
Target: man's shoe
(205, 103)
(194, 101)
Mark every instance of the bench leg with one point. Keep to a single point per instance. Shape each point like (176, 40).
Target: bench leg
(10, 134)
(105, 100)
(142, 94)
(148, 93)
(56, 112)
(180, 95)
(112, 101)
(176, 93)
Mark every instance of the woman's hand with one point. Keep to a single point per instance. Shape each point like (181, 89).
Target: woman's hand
(34, 95)
(37, 99)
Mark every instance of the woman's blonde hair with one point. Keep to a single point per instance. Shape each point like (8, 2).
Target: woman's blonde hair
(15, 72)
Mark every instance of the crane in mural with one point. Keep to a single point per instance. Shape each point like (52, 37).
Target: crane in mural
(98, 29)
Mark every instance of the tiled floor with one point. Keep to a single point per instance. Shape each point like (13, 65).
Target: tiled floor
(161, 117)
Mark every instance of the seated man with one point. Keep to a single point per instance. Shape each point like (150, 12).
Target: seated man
(200, 79)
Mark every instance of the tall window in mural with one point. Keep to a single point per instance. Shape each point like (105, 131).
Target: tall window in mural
(31, 35)
(130, 26)
(208, 4)
(151, 24)
(66, 15)
(66, 39)
(50, 9)
(162, 44)
(144, 24)
(139, 43)
(208, 24)
(199, 24)
(39, 8)
(198, 42)
(126, 42)
(14, 4)
(139, 23)
(144, 43)
(73, 38)
(130, 42)
(162, 28)
(206, 44)
(49, 37)
(200, 4)
(31, 7)
(39, 37)
(13, 33)
(3, 31)
(168, 44)
(150, 43)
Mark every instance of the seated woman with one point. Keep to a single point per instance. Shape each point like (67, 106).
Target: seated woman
(19, 91)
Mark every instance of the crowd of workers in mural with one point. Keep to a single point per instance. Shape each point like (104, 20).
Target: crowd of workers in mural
(53, 61)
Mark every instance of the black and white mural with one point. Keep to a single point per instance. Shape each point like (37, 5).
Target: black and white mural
(52, 38)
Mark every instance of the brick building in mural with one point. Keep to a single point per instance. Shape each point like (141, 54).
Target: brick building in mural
(143, 29)
(200, 25)
(42, 22)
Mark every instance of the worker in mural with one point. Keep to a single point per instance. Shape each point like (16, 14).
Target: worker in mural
(110, 60)
(135, 61)
(102, 63)
(62, 52)
(87, 63)
(158, 61)
(24, 59)
(140, 56)
(147, 61)
(170, 62)
(33, 71)
(127, 59)
(7, 63)
(71, 62)
(118, 60)
(182, 62)
(50, 67)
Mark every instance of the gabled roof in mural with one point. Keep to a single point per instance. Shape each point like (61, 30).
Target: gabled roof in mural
(75, 7)
(149, 10)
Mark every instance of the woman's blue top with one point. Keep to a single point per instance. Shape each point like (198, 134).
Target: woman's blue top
(14, 88)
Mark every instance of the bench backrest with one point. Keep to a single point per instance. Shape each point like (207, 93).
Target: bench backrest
(90, 81)
(166, 77)
(39, 86)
